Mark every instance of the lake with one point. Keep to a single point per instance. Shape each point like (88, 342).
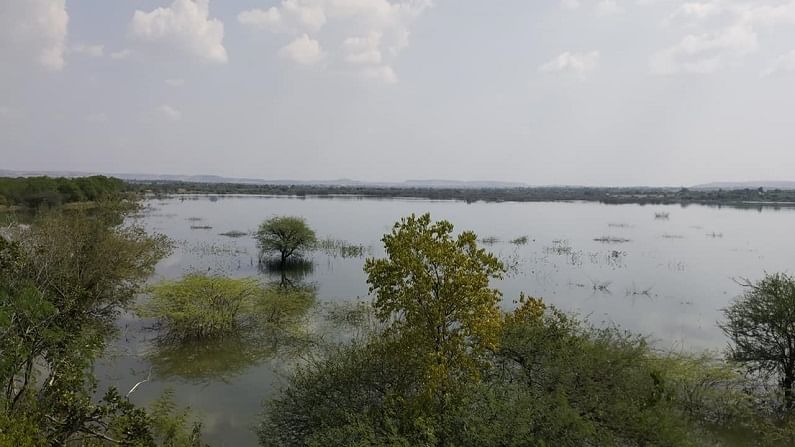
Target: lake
(662, 271)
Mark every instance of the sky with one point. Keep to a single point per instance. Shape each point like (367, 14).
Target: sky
(576, 92)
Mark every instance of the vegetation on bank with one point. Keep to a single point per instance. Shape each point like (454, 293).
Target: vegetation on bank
(64, 277)
(49, 192)
(612, 195)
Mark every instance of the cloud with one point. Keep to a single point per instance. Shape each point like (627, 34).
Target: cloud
(303, 50)
(783, 63)
(88, 50)
(570, 4)
(175, 82)
(290, 16)
(185, 26)
(34, 31)
(608, 8)
(169, 113)
(364, 49)
(725, 33)
(578, 64)
(121, 54)
(363, 36)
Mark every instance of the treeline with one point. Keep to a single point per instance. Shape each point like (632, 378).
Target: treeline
(37, 192)
(640, 195)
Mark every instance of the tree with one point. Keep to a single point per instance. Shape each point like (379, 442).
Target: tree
(761, 327)
(434, 289)
(287, 235)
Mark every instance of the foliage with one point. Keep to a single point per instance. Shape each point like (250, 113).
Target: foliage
(553, 381)
(761, 327)
(36, 192)
(287, 235)
(200, 307)
(63, 280)
(434, 288)
(741, 198)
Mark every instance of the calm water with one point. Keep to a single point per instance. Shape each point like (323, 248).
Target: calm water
(667, 278)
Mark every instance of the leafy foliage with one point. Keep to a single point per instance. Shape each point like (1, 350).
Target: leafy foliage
(435, 289)
(761, 327)
(36, 192)
(286, 235)
(63, 280)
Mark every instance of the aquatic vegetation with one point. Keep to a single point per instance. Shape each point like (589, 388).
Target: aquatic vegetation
(715, 235)
(636, 291)
(521, 240)
(601, 286)
(672, 236)
(611, 239)
(618, 225)
(201, 227)
(194, 219)
(340, 248)
(663, 215)
(490, 240)
(559, 247)
(234, 234)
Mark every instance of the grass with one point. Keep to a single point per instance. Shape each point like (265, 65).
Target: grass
(521, 240)
(233, 233)
(611, 239)
(340, 248)
(490, 240)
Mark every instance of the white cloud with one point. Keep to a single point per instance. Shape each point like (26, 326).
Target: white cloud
(175, 82)
(303, 50)
(365, 36)
(570, 4)
(382, 73)
(364, 49)
(95, 50)
(34, 31)
(726, 32)
(578, 64)
(290, 16)
(186, 26)
(8, 112)
(783, 63)
(121, 54)
(168, 112)
(705, 53)
(608, 8)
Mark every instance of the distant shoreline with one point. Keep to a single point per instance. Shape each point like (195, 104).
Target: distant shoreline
(746, 198)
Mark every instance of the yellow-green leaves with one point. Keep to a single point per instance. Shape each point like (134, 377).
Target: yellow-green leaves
(434, 289)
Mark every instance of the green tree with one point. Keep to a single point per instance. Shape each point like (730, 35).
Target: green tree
(287, 235)
(434, 289)
(761, 327)
(63, 280)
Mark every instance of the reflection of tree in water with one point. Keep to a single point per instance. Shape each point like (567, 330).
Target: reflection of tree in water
(276, 326)
(290, 274)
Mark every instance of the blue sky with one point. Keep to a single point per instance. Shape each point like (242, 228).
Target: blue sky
(597, 92)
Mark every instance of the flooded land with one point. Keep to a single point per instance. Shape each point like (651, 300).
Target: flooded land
(664, 271)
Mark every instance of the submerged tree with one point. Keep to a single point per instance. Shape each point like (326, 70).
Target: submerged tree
(434, 288)
(286, 235)
(761, 327)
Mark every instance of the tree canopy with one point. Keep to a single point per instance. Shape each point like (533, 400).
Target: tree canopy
(761, 327)
(285, 235)
(434, 289)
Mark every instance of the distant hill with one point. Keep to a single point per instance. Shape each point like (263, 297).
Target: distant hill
(745, 185)
(255, 181)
